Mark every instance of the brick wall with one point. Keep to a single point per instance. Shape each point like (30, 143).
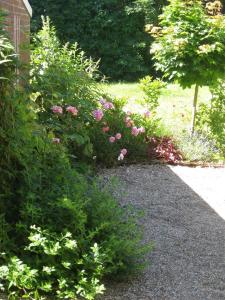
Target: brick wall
(18, 24)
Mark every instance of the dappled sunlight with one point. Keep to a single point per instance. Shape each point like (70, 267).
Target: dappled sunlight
(206, 188)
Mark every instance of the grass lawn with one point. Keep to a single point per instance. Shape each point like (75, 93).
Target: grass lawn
(175, 103)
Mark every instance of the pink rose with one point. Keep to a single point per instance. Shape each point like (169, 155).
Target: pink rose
(73, 110)
(57, 109)
(98, 114)
(124, 152)
(56, 140)
(135, 131)
(112, 139)
(118, 136)
(105, 129)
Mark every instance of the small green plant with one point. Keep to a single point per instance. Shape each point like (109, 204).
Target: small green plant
(153, 90)
(57, 269)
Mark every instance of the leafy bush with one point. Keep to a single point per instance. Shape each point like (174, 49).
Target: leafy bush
(72, 112)
(119, 134)
(153, 90)
(63, 76)
(164, 149)
(55, 267)
(197, 147)
(211, 117)
(40, 187)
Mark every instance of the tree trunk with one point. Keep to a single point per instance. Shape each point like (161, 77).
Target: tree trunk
(194, 110)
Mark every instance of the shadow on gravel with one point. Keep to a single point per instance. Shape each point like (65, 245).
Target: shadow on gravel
(188, 261)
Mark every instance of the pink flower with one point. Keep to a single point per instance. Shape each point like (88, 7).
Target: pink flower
(105, 129)
(56, 140)
(57, 109)
(73, 110)
(98, 114)
(135, 131)
(141, 130)
(108, 105)
(102, 101)
(112, 139)
(118, 136)
(124, 152)
(129, 122)
(121, 156)
(147, 114)
(129, 113)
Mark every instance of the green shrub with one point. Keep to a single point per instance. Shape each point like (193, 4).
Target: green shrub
(211, 117)
(197, 148)
(63, 76)
(118, 130)
(153, 90)
(67, 106)
(54, 266)
(39, 186)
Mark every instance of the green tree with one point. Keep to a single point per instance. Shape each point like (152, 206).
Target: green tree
(190, 46)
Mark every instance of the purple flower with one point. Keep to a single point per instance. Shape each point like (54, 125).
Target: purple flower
(135, 131)
(98, 114)
(108, 105)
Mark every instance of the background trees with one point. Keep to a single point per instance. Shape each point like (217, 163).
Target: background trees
(110, 30)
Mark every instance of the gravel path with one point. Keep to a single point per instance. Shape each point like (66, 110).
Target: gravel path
(185, 216)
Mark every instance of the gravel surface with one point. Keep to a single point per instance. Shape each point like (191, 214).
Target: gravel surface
(184, 214)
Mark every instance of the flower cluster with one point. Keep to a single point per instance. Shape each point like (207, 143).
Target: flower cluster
(105, 104)
(136, 131)
(98, 114)
(123, 153)
(118, 136)
(73, 110)
(58, 110)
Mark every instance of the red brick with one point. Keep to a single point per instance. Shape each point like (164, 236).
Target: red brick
(17, 15)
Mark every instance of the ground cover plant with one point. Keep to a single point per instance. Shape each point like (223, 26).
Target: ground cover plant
(61, 231)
